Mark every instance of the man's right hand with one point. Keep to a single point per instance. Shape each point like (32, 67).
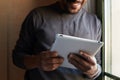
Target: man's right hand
(46, 61)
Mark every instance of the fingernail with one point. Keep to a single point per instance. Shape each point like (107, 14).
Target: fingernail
(71, 55)
(81, 52)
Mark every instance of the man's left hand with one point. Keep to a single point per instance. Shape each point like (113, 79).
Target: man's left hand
(84, 62)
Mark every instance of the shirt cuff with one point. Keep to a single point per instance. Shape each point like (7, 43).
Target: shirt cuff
(97, 73)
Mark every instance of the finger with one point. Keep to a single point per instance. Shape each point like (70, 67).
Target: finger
(81, 62)
(77, 65)
(48, 54)
(87, 57)
(54, 60)
(50, 67)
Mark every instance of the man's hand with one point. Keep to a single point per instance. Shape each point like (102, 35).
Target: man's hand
(46, 61)
(84, 62)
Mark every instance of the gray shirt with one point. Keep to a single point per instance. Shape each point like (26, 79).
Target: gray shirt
(38, 34)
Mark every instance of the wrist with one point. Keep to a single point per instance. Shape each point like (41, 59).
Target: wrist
(95, 74)
(91, 73)
(30, 62)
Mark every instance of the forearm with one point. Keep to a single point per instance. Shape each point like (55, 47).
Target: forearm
(30, 62)
(24, 61)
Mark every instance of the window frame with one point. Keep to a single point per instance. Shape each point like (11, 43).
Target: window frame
(106, 36)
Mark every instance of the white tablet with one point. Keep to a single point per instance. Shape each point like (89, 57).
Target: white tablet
(65, 44)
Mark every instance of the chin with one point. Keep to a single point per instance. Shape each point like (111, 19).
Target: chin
(73, 11)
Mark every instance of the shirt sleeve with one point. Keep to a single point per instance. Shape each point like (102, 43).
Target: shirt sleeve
(25, 43)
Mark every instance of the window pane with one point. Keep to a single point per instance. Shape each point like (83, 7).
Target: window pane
(107, 78)
(115, 37)
(112, 36)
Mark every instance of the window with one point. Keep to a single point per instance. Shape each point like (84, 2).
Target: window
(112, 37)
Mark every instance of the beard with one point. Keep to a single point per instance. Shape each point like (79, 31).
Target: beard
(73, 7)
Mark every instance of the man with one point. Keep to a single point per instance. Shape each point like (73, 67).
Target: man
(38, 34)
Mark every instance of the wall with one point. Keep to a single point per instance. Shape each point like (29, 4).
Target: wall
(18, 9)
(3, 41)
(12, 14)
